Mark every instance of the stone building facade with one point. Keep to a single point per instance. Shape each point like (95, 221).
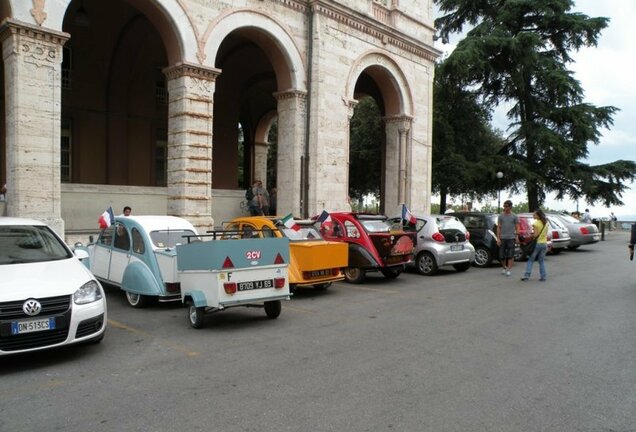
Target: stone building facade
(137, 102)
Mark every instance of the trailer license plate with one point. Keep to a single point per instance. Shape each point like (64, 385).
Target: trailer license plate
(252, 285)
(457, 247)
(20, 327)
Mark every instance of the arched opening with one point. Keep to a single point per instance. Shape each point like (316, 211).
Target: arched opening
(114, 97)
(380, 144)
(244, 94)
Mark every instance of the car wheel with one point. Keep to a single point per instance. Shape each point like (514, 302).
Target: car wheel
(354, 275)
(462, 267)
(137, 300)
(322, 286)
(391, 273)
(196, 315)
(426, 264)
(483, 257)
(272, 309)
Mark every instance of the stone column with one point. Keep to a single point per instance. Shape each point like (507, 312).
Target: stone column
(291, 143)
(398, 165)
(190, 111)
(32, 68)
(260, 161)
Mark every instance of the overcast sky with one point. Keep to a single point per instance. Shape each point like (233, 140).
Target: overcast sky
(605, 73)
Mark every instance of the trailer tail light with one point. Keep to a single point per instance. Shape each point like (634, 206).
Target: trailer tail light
(229, 287)
(584, 231)
(173, 287)
(228, 263)
(438, 237)
(279, 259)
(279, 283)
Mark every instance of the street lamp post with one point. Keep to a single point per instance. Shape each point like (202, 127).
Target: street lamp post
(499, 177)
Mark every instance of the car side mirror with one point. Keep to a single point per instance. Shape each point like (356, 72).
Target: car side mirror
(81, 254)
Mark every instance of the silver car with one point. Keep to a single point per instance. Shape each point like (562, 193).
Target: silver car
(580, 232)
(442, 240)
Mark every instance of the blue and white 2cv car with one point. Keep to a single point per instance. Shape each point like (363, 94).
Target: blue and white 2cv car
(138, 254)
(163, 258)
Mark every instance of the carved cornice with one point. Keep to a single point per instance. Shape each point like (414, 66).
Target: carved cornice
(34, 45)
(10, 27)
(405, 119)
(191, 70)
(290, 94)
(369, 25)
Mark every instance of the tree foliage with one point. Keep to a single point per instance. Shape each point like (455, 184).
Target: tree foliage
(465, 147)
(517, 53)
(366, 140)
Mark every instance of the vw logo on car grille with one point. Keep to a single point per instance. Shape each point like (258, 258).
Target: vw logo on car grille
(32, 307)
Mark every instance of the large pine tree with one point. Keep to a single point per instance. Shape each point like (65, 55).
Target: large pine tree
(518, 52)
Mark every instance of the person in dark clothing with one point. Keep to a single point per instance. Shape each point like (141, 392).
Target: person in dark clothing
(632, 242)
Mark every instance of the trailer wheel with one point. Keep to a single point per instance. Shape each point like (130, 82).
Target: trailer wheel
(272, 309)
(195, 315)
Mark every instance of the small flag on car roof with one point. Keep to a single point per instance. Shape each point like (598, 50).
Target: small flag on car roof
(290, 223)
(324, 217)
(407, 216)
(107, 218)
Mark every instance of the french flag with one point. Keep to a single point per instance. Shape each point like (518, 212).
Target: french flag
(107, 218)
(407, 216)
(324, 217)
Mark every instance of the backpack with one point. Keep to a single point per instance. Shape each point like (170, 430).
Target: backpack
(249, 194)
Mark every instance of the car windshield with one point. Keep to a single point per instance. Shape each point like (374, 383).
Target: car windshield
(170, 238)
(376, 226)
(304, 233)
(26, 244)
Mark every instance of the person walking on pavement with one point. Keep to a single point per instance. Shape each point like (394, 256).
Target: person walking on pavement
(540, 233)
(507, 236)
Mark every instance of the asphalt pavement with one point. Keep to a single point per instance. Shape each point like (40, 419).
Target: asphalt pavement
(473, 351)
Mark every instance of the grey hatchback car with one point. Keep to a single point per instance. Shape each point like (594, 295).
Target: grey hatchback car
(442, 240)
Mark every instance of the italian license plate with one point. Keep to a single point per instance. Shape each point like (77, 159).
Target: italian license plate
(252, 285)
(457, 247)
(21, 327)
(319, 273)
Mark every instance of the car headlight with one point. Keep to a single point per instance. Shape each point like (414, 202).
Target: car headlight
(87, 293)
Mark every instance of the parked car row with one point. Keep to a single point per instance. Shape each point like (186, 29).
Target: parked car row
(52, 296)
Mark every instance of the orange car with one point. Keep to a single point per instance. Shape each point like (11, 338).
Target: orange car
(314, 261)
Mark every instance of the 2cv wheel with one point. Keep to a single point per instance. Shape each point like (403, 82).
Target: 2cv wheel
(137, 300)
(195, 315)
(354, 275)
(272, 309)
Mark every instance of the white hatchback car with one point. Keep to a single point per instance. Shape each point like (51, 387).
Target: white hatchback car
(48, 298)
